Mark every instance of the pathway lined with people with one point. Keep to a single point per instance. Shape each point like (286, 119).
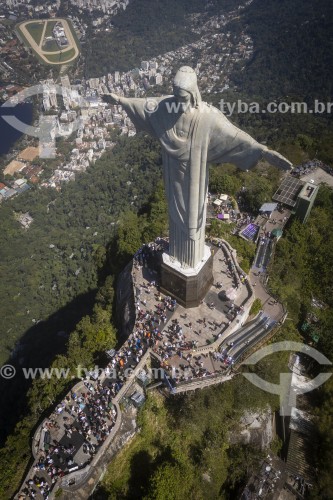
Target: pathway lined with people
(195, 348)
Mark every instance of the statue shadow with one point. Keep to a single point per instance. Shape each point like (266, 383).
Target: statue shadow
(142, 467)
(38, 348)
(141, 470)
(151, 267)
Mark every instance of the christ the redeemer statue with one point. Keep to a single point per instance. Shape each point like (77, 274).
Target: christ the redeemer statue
(191, 134)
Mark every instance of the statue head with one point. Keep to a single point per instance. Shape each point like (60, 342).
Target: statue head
(185, 87)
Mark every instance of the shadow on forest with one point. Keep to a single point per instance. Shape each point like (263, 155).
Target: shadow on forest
(142, 467)
(38, 348)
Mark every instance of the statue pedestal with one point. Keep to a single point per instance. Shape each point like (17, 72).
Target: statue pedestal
(188, 286)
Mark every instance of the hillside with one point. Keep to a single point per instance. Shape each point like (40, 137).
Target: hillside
(53, 273)
(293, 49)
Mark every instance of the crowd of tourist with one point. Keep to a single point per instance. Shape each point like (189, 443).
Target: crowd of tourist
(87, 417)
(174, 342)
(34, 486)
(92, 414)
(310, 166)
(149, 251)
(150, 332)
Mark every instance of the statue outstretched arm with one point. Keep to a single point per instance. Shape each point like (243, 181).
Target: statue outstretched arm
(229, 144)
(112, 98)
(136, 109)
(276, 159)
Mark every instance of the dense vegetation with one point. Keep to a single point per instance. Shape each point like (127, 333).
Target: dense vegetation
(183, 448)
(54, 261)
(301, 269)
(324, 486)
(293, 49)
(61, 271)
(95, 332)
(50, 273)
(146, 29)
(292, 62)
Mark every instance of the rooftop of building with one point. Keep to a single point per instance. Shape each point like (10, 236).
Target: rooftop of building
(308, 191)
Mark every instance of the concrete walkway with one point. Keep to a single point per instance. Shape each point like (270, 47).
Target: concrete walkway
(271, 307)
(203, 329)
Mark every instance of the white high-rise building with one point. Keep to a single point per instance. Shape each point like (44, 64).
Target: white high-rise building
(53, 97)
(46, 102)
(158, 79)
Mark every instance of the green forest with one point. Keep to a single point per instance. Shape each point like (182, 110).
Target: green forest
(184, 435)
(183, 447)
(145, 29)
(47, 266)
(293, 50)
(58, 277)
(292, 62)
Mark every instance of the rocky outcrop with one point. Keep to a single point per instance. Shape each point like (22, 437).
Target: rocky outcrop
(256, 429)
(125, 303)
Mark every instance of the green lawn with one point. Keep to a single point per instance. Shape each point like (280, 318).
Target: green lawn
(36, 30)
(61, 56)
(49, 28)
(51, 46)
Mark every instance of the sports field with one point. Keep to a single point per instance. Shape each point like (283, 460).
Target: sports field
(61, 57)
(38, 35)
(36, 30)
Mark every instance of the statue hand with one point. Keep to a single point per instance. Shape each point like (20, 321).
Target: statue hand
(111, 98)
(277, 160)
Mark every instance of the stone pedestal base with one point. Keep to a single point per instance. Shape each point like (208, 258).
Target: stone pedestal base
(187, 286)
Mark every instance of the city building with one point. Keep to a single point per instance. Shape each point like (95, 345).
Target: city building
(305, 201)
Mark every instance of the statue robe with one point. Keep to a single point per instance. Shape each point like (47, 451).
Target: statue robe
(211, 138)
